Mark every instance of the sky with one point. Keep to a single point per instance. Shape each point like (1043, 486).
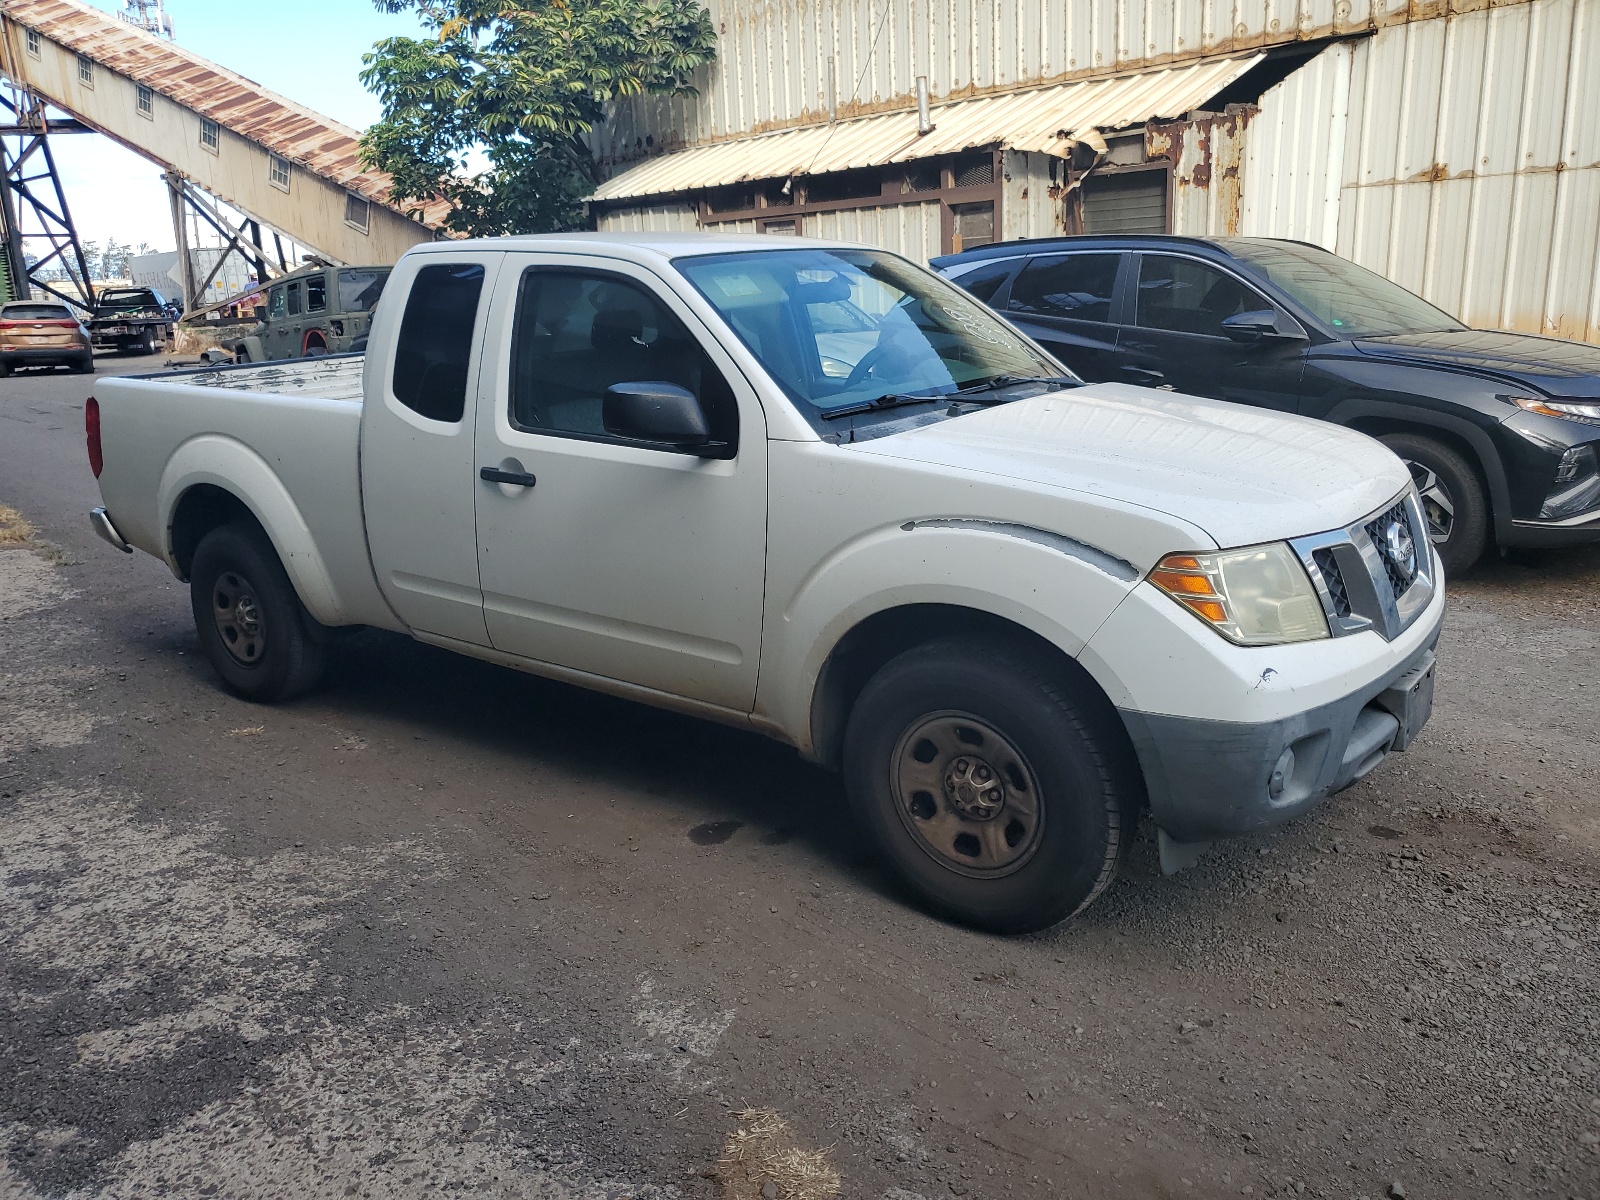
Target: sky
(307, 50)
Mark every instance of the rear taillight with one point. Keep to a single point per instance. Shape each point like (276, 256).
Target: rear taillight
(91, 429)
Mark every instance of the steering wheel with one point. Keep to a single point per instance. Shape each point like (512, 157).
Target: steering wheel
(864, 368)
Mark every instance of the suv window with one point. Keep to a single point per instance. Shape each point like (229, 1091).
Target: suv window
(360, 288)
(433, 353)
(34, 312)
(983, 282)
(1185, 296)
(580, 332)
(1078, 286)
(294, 299)
(317, 293)
(275, 307)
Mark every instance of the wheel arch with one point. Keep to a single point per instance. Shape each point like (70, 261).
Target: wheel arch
(1376, 419)
(212, 481)
(876, 639)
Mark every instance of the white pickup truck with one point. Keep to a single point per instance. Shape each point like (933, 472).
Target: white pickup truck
(817, 492)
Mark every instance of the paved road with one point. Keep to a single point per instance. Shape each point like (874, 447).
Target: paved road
(447, 928)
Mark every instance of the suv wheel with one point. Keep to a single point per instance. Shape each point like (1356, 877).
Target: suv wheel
(251, 624)
(999, 795)
(1452, 498)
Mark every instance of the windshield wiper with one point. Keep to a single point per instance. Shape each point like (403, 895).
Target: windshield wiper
(1001, 382)
(891, 400)
(968, 394)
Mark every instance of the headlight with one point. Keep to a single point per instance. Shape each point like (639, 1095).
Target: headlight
(1580, 410)
(1577, 487)
(1258, 596)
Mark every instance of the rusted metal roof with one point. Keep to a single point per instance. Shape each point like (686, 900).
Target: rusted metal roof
(1036, 119)
(307, 138)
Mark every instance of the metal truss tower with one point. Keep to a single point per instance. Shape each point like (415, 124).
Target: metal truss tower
(149, 15)
(42, 251)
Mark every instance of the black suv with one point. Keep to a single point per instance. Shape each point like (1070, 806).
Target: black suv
(1500, 430)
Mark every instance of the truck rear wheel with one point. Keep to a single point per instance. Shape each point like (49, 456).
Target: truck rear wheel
(252, 626)
(1001, 796)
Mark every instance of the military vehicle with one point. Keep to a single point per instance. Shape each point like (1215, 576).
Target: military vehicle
(319, 309)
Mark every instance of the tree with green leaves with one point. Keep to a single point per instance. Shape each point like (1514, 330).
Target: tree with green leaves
(493, 109)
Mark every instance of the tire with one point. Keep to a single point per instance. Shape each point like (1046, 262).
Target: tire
(147, 344)
(5, 369)
(252, 626)
(963, 714)
(84, 366)
(1452, 498)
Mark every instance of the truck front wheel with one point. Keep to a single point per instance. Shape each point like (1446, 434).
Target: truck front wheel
(252, 626)
(1000, 795)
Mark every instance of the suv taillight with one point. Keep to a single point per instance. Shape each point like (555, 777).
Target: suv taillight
(91, 429)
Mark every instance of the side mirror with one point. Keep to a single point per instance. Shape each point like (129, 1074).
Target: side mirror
(661, 414)
(1258, 326)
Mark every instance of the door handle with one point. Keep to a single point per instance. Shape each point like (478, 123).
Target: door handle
(1143, 374)
(514, 478)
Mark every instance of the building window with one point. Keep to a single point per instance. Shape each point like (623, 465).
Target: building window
(86, 70)
(861, 184)
(146, 101)
(973, 170)
(357, 212)
(208, 134)
(973, 226)
(278, 172)
(33, 42)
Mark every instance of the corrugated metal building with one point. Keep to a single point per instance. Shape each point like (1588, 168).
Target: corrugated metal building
(1453, 145)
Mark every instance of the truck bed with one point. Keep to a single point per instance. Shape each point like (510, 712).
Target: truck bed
(283, 437)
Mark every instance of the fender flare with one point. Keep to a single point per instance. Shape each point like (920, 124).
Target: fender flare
(1483, 449)
(233, 467)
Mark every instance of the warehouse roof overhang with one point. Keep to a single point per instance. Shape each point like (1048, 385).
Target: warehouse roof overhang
(1048, 120)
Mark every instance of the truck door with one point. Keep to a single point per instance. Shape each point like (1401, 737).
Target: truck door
(617, 559)
(294, 321)
(418, 485)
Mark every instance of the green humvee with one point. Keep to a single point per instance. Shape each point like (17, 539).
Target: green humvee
(316, 310)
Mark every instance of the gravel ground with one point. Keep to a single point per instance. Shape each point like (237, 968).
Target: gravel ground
(444, 928)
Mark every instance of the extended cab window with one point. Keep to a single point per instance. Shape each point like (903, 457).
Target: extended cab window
(1078, 286)
(579, 332)
(1185, 296)
(433, 353)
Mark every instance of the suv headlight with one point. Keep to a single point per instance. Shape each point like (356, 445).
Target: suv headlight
(1257, 596)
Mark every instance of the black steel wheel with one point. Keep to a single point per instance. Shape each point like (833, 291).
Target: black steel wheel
(1453, 499)
(251, 624)
(1001, 790)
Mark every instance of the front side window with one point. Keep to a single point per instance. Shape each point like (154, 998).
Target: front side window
(984, 281)
(923, 336)
(433, 354)
(1182, 295)
(1352, 301)
(359, 289)
(579, 332)
(317, 293)
(1076, 286)
(276, 306)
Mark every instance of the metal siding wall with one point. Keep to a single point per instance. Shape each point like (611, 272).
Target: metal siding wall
(1469, 169)
(772, 66)
(662, 218)
(1033, 203)
(913, 230)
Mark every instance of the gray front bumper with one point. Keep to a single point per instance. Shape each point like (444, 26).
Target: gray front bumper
(1215, 779)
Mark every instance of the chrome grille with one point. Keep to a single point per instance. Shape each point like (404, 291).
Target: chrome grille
(1333, 579)
(1376, 574)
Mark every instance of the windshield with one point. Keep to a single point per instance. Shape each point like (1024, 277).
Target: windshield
(359, 290)
(34, 312)
(1352, 301)
(840, 328)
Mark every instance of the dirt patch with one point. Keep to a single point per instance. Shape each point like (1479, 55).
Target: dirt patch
(763, 1160)
(15, 529)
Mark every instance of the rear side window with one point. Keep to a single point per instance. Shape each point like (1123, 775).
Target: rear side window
(983, 282)
(1077, 286)
(294, 299)
(434, 351)
(317, 293)
(578, 333)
